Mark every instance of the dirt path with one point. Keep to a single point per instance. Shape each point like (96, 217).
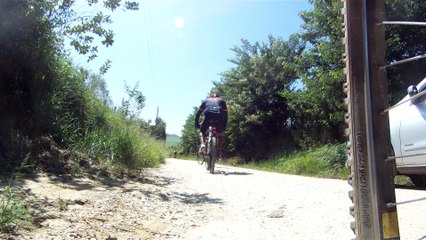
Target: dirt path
(181, 200)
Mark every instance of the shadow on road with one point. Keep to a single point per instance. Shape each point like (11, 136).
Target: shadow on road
(183, 197)
(232, 172)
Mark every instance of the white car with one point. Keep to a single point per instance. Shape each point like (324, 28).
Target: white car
(407, 121)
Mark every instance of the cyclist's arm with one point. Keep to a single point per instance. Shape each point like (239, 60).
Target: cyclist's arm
(225, 114)
(197, 116)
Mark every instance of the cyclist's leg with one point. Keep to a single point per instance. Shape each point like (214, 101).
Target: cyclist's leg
(202, 135)
(202, 148)
(221, 140)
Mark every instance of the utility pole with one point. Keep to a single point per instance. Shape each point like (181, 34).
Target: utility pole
(156, 116)
(369, 138)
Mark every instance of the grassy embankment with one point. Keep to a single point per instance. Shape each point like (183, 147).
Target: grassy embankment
(327, 161)
(85, 136)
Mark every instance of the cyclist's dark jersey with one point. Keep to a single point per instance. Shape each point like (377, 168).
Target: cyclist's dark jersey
(215, 112)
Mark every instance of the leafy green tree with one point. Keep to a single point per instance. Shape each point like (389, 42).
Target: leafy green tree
(190, 138)
(317, 107)
(133, 105)
(158, 131)
(83, 31)
(26, 67)
(403, 42)
(99, 88)
(32, 37)
(258, 110)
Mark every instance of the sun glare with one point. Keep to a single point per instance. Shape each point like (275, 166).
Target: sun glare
(179, 23)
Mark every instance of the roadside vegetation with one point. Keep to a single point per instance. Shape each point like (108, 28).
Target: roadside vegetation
(56, 117)
(327, 161)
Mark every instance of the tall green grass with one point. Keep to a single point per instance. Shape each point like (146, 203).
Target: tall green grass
(326, 161)
(13, 211)
(84, 123)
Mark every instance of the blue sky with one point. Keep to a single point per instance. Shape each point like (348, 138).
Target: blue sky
(176, 48)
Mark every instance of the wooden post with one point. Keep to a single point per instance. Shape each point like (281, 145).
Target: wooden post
(371, 175)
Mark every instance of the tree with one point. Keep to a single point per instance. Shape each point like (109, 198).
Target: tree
(99, 88)
(317, 107)
(253, 89)
(404, 42)
(32, 34)
(158, 131)
(190, 138)
(83, 30)
(132, 107)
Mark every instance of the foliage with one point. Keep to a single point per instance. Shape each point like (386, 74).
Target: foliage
(158, 131)
(98, 86)
(85, 123)
(135, 150)
(133, 105)
(27, 48)
(403, 42)
(317, 108)
(83, 30)
(40, 93)
(13, 212)
(258, 110)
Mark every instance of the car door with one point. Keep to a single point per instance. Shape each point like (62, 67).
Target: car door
(413, 132)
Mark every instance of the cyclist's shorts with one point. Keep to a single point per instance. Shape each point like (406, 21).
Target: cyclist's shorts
(215, 120)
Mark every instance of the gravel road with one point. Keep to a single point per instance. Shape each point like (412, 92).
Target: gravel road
(181, 200)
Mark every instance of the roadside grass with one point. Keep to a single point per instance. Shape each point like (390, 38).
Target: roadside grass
(84, 122)
(327, 161)
(13, 211)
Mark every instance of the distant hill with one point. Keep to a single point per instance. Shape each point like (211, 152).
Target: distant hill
(172, 140)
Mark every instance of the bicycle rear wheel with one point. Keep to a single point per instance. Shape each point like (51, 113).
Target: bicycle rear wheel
(207, 161)
(213, 154)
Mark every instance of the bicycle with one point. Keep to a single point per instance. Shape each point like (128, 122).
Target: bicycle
(210, 157)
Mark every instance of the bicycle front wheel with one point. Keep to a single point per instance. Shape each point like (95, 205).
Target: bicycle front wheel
(200, 158)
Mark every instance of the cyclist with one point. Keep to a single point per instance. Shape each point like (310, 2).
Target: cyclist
(216, 114)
